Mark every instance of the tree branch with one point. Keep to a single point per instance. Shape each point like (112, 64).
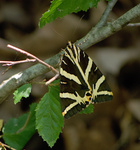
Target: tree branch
(94, 36)
(98, 34)
(9, 85)
(105, 15)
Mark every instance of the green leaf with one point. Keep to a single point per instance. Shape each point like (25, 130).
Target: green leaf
(1, 124)
(60, 8)
(17, 132)
(49, 119)
(88, 110)
(23, 91)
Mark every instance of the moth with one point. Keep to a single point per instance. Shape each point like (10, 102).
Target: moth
(81, 82)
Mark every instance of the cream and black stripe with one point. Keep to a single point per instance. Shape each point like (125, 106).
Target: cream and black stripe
(81, 82)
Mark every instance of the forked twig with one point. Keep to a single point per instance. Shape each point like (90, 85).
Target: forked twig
(10, 63)
(31, 55)
(106, 13)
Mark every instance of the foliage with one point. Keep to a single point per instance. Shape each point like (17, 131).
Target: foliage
(87, 110)
(17, 132)
(49, 119)
(23, 91)
(46, 116)
(60, 8)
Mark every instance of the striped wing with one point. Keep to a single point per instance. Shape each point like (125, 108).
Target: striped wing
(81, 82)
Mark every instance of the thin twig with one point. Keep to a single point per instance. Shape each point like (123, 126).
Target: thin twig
(31, 55)
(96, 35)
(52, 79)
(7, 69)
(106, 13)
(10, 63)
(133, 24)
(101, 22)
(7, 86)
(4, 145)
